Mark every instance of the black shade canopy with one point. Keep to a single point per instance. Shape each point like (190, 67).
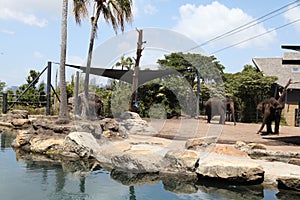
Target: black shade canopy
(126, 75)
(292, 47)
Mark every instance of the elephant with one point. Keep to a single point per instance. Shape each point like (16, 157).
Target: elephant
(272, 109)
(218, 106)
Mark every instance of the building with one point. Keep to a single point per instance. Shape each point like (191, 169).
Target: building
(285, 68)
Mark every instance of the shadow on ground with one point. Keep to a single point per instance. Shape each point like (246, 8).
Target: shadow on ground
(290, 140)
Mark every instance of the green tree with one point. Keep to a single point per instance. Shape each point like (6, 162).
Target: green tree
(188, 64)
(2, 85)
(125, 62)
(35, 96)
(248, 88)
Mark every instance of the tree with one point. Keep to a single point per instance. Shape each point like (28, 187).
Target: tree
(127, 63)
(188, 64)
(115, 12)
(63, 106)
(35, 96)
(2, 85)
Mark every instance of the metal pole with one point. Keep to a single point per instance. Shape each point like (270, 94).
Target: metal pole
(76, 94)
(48, 93)
(198, 93)
(4, 103)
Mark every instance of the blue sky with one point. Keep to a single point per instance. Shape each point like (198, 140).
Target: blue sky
(30, 32)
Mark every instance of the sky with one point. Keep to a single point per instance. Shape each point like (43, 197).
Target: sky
(30, 33)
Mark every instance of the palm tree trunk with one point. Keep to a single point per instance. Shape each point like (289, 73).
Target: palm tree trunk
(63, 111)
(85, 110)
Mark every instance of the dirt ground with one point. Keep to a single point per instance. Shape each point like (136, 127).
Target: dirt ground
(288, 138)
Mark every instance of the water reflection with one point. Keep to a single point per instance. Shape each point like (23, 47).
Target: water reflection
(61, 167)
(6, 140)
(48, 177)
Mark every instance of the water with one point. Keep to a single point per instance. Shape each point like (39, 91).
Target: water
(28, 176)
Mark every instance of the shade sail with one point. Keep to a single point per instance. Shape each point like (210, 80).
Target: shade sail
(127, 75)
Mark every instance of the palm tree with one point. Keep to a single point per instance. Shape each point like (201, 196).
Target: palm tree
(127, 63)
(115, 12)
(63, 106)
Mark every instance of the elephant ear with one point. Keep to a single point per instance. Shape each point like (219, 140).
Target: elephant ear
(260, 106)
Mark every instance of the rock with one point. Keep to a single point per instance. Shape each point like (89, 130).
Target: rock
(199, 143)
(93, 128)
(133, 123)
(237, 171)
(130, 115)
(180, 161)
(228, 150)
(112, 129)
(137, 161)
(96, 108)
(20, 122)
(257, 146)
(291, 183)
(81, 143)
(19, 114)
(47, 145)
(294, 161)
(22, 139)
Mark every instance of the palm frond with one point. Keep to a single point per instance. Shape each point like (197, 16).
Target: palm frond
(80, 10)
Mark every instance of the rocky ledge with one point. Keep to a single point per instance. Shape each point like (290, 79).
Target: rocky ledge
(128, 144)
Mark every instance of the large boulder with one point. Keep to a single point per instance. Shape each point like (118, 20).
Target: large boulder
(82, 144)
(134, 124)
(183, 161)
(137, 161)
(231, 170)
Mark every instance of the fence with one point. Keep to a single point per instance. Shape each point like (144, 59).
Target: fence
(4, 96)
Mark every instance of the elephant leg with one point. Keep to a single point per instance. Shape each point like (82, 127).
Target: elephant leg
(277, 123)
(269, 126)
(222, 117)
(266, 119)
(208, 113)
(208, 118)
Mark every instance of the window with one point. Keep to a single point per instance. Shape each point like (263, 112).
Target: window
(295, 70)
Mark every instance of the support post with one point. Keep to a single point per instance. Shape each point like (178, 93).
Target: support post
(198, 93)
(48, 91)
(76, 94)
(4, 103)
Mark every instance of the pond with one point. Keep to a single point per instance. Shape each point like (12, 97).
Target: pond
(29, 176)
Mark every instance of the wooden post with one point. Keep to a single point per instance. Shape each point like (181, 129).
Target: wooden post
(4, 103)
(48, 93)
(133, 99)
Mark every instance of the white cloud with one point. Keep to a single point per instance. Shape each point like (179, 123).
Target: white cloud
(150, 9)
(32, 6)
(30, 19)
(8, 32)
(293, 15)
(203, 23)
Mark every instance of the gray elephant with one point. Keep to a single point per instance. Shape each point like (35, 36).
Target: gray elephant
(271, 109)
(219, 106)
